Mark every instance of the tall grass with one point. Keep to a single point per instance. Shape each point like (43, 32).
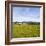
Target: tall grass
(26, 30)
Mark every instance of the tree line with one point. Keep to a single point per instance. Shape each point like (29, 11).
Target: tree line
(27, 22)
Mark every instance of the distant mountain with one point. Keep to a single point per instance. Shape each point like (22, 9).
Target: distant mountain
(26, 21)
(29, 22)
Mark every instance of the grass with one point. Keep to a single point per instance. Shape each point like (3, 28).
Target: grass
(26, 30)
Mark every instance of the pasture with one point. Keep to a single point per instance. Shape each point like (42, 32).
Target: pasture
(25, 30)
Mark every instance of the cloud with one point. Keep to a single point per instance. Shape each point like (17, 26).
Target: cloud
(26, 14)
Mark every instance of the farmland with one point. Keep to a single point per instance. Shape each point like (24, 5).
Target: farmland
(25, 30)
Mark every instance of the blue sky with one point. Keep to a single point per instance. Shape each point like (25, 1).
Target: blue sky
(26, 14)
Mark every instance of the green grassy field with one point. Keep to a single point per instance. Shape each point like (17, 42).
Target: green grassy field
(26, 30)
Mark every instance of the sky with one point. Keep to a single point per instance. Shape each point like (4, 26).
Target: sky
(21, 14)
